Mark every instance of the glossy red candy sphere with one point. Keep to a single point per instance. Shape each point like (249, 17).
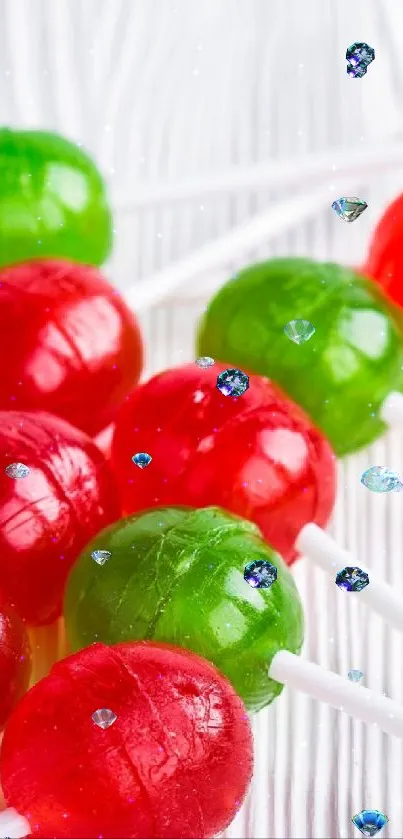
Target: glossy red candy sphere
(385, 258)
(256, 455)
(71, 345)
(175, 764)
(47, 517)
(15, 661)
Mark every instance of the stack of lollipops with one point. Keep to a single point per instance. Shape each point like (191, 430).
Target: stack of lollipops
(169, 554)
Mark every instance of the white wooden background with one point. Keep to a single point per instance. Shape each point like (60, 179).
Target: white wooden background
(161, 91)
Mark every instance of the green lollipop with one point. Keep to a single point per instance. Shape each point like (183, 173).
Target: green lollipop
(352, 361)
(177, 575)
(52, 200)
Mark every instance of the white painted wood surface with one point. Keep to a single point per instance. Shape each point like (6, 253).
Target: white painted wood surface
(168, 90)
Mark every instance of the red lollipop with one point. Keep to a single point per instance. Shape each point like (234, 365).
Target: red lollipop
(51, 511)
(175, 762)
(385, 258)
(256, 455)
(72, 346)
(15, 661)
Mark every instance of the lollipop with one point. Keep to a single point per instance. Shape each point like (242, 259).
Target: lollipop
(385, 258)
(346, 375)
(72, 346)
(15, 661)
(135, 740)
(56, 491)
(52, 200)
(177, 575)
(257, 455)
(204, 579)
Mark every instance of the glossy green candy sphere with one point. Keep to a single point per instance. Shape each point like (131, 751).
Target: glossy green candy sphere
(176, 574)
(52, 200)
(343, 373)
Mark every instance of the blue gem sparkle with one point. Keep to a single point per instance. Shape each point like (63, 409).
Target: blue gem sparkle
(355, 675)
(352, 579)
(17, 470)
(204, 362)
(370, 822)
(380, 479)
(104, 718)
(349, 209)
(101, 557)
(232, 382)
(142, 459)
(260, 574)
(299, 331)
(359, 56)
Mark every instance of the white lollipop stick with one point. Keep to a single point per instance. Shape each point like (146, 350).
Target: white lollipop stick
(392, 410)
(262, 176)
(289, 669)
(230, 246)
(321, 549)
(338, 692)
(12, 825)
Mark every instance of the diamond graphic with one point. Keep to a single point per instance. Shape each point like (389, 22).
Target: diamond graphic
(349, 209)
(359, 56)
(380, 479)
(356, 72)
(142, 459)
(232, 382)
(204, 361)
(352, 579)
(101, 556)
(360, 53)
(103, 718)
(370, 822)
(299, 330)
(17, 470)
(260, 574)
(355, 675)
